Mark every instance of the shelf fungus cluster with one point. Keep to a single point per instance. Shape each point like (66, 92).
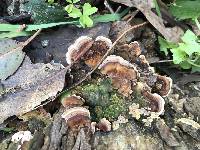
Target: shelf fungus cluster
(132, 81)
(88, 50)
(75, 115)
(127, 77)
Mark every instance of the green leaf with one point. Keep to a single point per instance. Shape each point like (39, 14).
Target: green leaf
(50, 1)
(14, 34)
(185, 65)
(186, 9)
(165, 45)
(196, 68)
(45, 26)
(178, 55)
(88, 9)
(9, 27)
(69, 8)
(190, 44)
(69, 1)
(189, 37)
(86, 21)
(76, 13)
(76, 1)
(190, 48)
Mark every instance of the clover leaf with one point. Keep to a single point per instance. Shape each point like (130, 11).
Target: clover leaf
(88, 9)
(86, 21)
(75, 13)
(69, 8)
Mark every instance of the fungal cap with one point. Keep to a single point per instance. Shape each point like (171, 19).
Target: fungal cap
(116, 66)
(104, 39)
(99, 48)
(157, 102)
(72, 101)
(136, 48)
(76, 116)
(83, 42)
(104, 125)
(143, 60)
(166, 85)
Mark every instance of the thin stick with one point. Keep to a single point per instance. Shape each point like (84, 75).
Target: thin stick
(161, 61)
(118, 9)
(133, 15)
(109, 7)
(108, 52)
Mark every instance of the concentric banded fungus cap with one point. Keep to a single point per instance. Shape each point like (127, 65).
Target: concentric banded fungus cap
(78, 49)
(97, 51)
(116, 66)
(77, 117)
(156, 102)
(163, 85)
(104, 125)
(73, 100)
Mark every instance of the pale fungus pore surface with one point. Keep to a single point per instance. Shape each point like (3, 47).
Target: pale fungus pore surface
(81, 45)
(72, 112)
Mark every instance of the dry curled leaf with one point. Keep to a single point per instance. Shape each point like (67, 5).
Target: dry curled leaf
(29, 87)
(171, 34)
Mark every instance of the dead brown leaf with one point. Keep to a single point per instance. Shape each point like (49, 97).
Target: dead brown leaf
(170, 34)
(29, 87)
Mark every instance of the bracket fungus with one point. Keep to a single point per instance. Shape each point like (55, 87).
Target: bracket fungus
(127, 76)
(104, 125)
(156, 102)
(71, 101)
(163, 85)
(122, 73)
(77, 117)
(89, 50)
(79, 48)
(132, 81)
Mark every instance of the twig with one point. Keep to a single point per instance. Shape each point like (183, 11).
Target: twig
(108, 52)
(133, 15)
(118, 9)
(161, 61)
(108, 6)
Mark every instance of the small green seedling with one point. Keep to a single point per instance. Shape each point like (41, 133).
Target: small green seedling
(185, 53)
(82, 12)
(50, 1)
